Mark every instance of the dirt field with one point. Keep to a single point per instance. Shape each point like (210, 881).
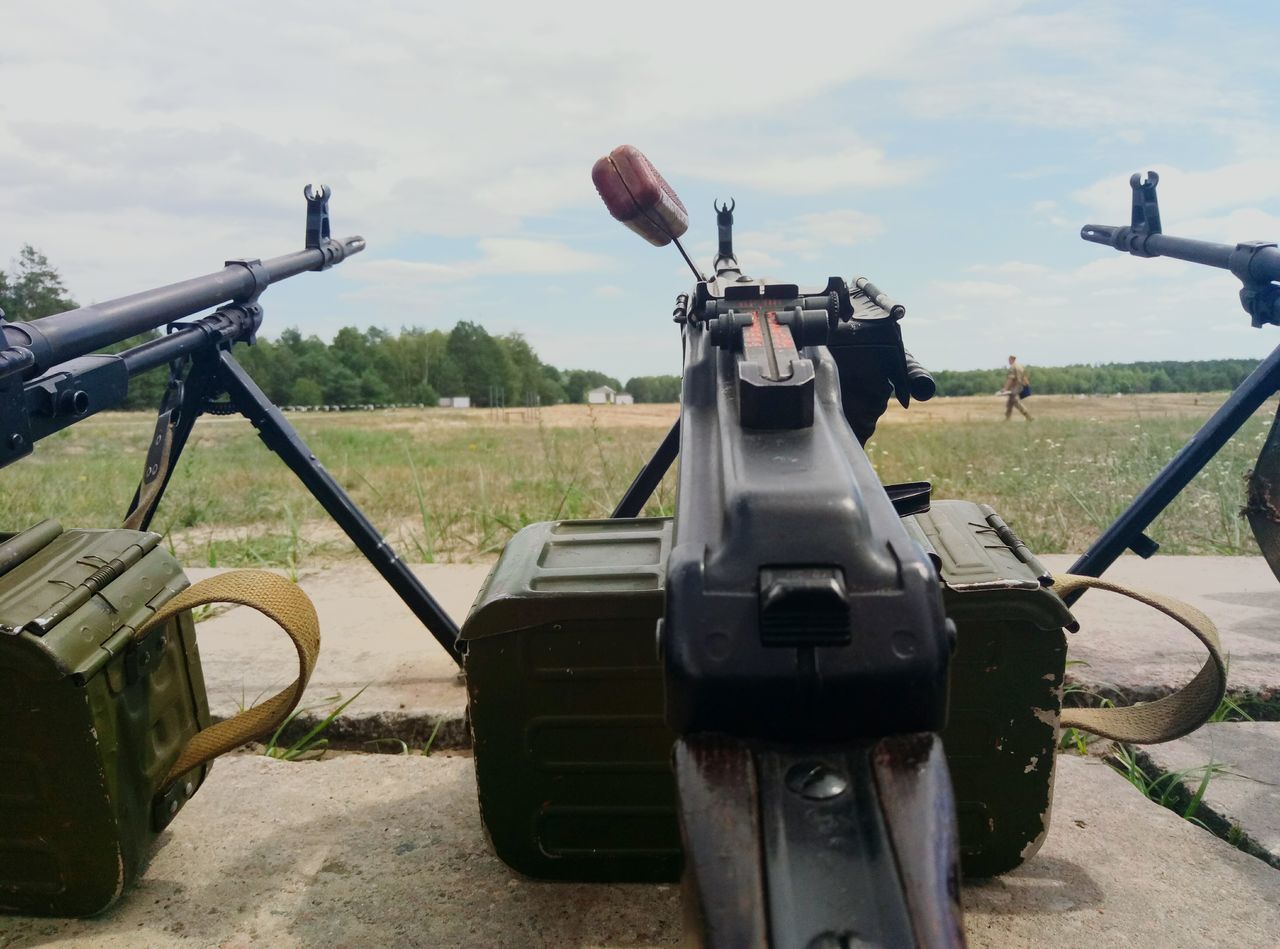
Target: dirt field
(938, 410)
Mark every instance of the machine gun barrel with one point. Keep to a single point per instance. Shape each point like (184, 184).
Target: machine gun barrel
(1260, 263)
(63, 336)
(1255, 263)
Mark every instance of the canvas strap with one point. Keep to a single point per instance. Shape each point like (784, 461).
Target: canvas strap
(1166, 718)
(285, 604)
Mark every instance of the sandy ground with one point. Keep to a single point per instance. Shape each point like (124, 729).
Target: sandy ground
(976, 408)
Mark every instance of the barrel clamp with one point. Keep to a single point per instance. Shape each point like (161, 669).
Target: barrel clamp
(261, 279)
(1260, 298)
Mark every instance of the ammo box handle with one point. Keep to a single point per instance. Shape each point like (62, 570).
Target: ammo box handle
(279, 600)
(1174, 715)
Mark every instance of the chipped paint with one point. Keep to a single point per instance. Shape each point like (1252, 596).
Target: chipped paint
(1047, 715)
(1035, 760)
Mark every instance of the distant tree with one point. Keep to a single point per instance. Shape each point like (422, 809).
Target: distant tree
(374, 389)
(1209, 375)
(33, 288)
(482, 364)
(552, 386)
(306, 392)
(654, 388)
(341, 386)
(578, 381)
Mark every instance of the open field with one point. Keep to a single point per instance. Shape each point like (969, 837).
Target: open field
(455, 484)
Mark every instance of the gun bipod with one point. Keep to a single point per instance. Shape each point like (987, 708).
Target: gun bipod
(818, 848)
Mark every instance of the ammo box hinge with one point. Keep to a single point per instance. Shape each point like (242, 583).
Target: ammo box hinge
(89, 587)
(1015, 544)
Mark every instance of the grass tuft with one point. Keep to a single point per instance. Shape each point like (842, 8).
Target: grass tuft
(311, 745)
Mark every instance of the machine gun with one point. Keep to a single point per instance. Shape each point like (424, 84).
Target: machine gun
(804, 644)
(1257, 265)
(51, 376)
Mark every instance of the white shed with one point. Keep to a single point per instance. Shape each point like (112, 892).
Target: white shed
(455, 402)
(601, 395)
(624, 398)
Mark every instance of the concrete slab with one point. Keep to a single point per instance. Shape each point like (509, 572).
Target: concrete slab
(1243, 801)
(1141, 654)
(1118, 870)
(372, 641)
(379, 850)
(369, 640)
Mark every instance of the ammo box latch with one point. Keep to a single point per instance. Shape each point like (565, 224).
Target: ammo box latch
(165, 805)
(144, 655)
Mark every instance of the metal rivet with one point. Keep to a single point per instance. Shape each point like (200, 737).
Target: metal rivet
(173, 807)
(816, 781)
(16, 441)
(189, 789)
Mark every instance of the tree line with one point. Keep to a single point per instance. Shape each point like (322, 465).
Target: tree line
(418, 366)
(1207, 375)
(370, 366)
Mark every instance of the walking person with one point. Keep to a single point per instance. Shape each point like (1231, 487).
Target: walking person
(1017, 386)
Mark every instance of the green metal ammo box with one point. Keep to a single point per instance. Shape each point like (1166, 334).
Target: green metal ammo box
(90, 719)
(565, 695)
(1006, 682)
(565, 700)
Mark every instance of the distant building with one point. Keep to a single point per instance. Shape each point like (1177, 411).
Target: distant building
(624, 398)
(455, 402)
(601, 395)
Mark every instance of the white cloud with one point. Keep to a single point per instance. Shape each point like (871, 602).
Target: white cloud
(500, 256)
(1090, 67)
(139, 137)
(981, 289)
(1186, 194)
(806, 171)
(1011, 267)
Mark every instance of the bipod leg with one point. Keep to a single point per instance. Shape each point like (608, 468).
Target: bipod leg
(182, 404)
(278, 435)
(1127, 530)
(650, 475)
(822, 848)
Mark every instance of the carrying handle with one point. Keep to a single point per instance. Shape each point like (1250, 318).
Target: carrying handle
(284, 603)
(1174, 715)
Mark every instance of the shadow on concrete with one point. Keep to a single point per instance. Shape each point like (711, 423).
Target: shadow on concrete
(1044, 885)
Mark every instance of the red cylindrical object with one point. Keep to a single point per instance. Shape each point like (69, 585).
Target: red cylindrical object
(638, 196)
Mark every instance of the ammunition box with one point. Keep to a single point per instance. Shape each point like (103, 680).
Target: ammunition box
(91, 719)
(1006, 682)
(565, 700)
(566, 707)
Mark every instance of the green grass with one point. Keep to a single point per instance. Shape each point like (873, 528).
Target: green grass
(312, 744)
(451, 492)
(456, 486)
(1060, 481)
(1167, 789)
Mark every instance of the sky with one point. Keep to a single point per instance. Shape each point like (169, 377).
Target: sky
(950, 151)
